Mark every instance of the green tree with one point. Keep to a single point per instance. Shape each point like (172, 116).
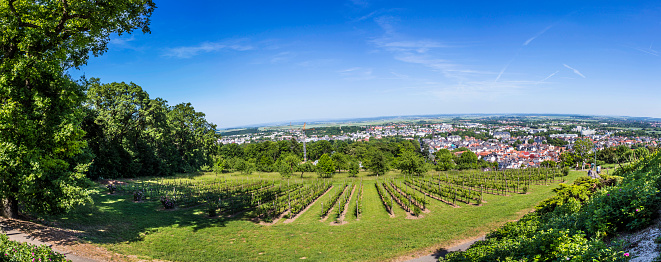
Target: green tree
(219, 164)
(376, 162)
(288, 164)
(42, 165)
(567, 159)
(193, 137)
(582, 149)
(305, 167)
(354, 168)
(325, 166)
(467, 160)
(444, 160)
(548, 163)
(243, 166)
(340, 160)
(411, 163)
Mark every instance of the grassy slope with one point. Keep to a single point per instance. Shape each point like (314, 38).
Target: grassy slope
(145, 230)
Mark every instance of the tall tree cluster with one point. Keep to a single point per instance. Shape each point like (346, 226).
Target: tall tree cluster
(42, 163)
(132, 135)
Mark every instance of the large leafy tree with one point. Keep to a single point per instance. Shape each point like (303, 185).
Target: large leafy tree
(40, 105)
(376, 162)
(194, 138)
(325, 166)
(411, 163)
(444, 160)
(126, 130)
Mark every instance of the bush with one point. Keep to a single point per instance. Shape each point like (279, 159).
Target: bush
(12, 251)
(168, 203)
(138, 196)
(111, 188)
(573, 225)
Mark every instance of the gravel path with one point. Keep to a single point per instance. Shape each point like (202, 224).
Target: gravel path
(442, 252)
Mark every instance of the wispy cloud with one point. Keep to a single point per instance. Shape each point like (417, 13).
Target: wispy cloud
(207, 47)
(502, 71)
(420, 46)
(318, 62)
(480, 90)
(386, 22)
(357, 73)
(575, 71)
(649, 51)
(281, 57)
(124, 42)
(537, 35)
(360, 3)
(546, 78)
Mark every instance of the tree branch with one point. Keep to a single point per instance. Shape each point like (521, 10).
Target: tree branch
(18, 17)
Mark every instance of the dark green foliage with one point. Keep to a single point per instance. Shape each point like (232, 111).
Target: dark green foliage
(573, 224)
(411, 163)
(43, 160)
(325, 166)
(12, 251)
(354, 168)
(376, 162)
(132, 135)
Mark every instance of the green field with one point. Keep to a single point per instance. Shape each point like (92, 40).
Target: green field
(148, 231)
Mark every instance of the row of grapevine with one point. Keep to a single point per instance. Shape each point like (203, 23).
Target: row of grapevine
(401, 200)
(359, 200)
(326, 207)
(385, 198)
(342, 202)
(304, 199)
(416, 200)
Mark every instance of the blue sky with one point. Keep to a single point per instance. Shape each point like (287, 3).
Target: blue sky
(250, 62)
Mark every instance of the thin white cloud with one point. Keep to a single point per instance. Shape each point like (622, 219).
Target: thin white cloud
(503, 70)
(282, 57)
(386, 23)
(360, 3)
(318, 62)
(207, 47)
(647, 51)
(546, 78)
(537, 35)
(480, 90)
(575, 71)
(121, 41)
(420, 46)
(357, 73)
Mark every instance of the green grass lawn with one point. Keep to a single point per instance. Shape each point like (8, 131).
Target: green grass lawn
(147, 231)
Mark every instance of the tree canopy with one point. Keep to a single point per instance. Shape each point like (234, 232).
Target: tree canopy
(43, 159)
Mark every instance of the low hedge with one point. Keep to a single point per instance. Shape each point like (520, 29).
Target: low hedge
(12, 251)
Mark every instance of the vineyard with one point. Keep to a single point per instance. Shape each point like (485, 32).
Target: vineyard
(271, 200)
(263, 217)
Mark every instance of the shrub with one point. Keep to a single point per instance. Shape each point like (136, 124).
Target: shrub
(138, 196)
(111, 188)
(12, 251)
(168, 203)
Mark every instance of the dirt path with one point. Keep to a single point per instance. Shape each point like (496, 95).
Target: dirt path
(62, 241)
(346, 208)
(444, 251)
(308, 207)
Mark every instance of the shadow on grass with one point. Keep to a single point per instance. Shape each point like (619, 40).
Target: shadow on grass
(117, 218)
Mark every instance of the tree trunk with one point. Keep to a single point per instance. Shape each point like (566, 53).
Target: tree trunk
(9, 207)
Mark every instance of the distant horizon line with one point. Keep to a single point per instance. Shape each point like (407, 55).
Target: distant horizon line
(359, 119)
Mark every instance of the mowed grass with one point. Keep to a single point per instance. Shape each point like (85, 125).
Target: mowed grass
(149, 232)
